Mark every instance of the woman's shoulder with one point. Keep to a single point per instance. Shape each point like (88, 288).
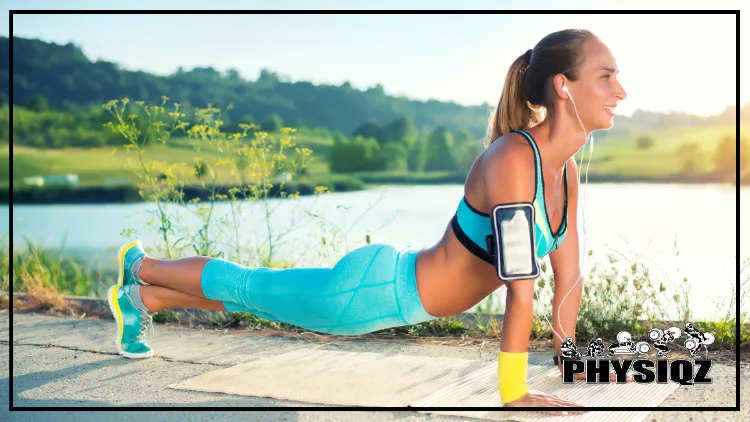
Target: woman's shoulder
(510, 153)
(508, 172)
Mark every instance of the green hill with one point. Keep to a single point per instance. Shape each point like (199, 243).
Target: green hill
(62, 76)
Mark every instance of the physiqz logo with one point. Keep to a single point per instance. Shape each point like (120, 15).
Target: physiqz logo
(597, 361)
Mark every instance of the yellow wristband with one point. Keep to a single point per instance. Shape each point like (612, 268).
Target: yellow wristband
(511, 375)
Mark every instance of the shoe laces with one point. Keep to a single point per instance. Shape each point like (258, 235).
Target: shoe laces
(146, 329)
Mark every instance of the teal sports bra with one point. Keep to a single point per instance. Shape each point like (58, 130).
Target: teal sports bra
(473, 228)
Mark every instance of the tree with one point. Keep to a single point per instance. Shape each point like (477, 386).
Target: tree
(38, 103)
(401, 129)
(644, 142)
(466, 154)
(393, 156)
(247, 119)
(725, 157)
(368, 130)
(272, 123)
(466, 149)
(462, 136)
(440, 150)
(4, 124)
(358, 154)
(323, 132)
(234, 75)
(267, 78)
(689, 155)
(417, 158)
(377, 90)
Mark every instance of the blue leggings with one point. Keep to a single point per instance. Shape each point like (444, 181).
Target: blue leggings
(371, 288)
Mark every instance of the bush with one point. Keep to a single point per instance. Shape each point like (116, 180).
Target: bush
(644, 143)
(350, 155)
(61, 129)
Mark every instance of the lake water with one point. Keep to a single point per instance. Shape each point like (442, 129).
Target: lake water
(652, 221)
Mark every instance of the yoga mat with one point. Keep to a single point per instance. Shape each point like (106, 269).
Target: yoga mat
(373, 379)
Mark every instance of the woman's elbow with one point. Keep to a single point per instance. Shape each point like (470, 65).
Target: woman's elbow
(521, 292)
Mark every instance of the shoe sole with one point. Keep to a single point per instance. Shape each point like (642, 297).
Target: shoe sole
(121, 259)
(114, 306)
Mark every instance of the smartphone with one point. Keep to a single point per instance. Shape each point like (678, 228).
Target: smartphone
(514, 241)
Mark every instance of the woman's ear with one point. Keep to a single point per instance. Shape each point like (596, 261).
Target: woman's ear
(557, 83)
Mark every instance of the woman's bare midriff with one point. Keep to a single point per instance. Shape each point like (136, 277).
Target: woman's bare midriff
(450, 279)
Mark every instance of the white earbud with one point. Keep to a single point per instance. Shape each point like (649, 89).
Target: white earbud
(567, 91)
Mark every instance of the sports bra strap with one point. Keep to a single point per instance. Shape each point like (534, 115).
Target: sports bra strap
(537, 160)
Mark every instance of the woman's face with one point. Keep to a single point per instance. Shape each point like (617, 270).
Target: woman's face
(597, 90)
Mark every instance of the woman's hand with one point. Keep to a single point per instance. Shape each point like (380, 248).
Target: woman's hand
(612, 376)
(539, 399)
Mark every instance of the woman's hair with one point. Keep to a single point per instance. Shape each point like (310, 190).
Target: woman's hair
(526, 90)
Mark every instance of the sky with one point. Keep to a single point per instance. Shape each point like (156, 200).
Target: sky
(667, 62)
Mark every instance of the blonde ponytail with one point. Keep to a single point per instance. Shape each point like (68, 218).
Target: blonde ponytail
(513, 110)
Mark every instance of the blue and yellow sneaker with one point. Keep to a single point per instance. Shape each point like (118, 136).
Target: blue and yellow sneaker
(127, 256)
(132, 324)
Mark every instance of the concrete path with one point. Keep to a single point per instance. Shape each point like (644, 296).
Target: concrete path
(68, 362)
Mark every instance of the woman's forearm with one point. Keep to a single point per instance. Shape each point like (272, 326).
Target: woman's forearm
(518, 316)
(512, 360)
(565, 316)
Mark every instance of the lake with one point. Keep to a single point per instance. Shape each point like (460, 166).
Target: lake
(676, 230)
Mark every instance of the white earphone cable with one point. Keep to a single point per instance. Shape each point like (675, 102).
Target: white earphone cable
(583, 208)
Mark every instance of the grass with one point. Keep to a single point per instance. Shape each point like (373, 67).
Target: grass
(615, 155)
(618, 154)
(35, 268)
(46, 277)
(94, 165)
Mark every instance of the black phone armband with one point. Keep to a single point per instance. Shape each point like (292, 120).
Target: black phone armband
(513, 242)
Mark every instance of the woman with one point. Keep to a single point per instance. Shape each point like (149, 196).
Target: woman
(528, 159)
